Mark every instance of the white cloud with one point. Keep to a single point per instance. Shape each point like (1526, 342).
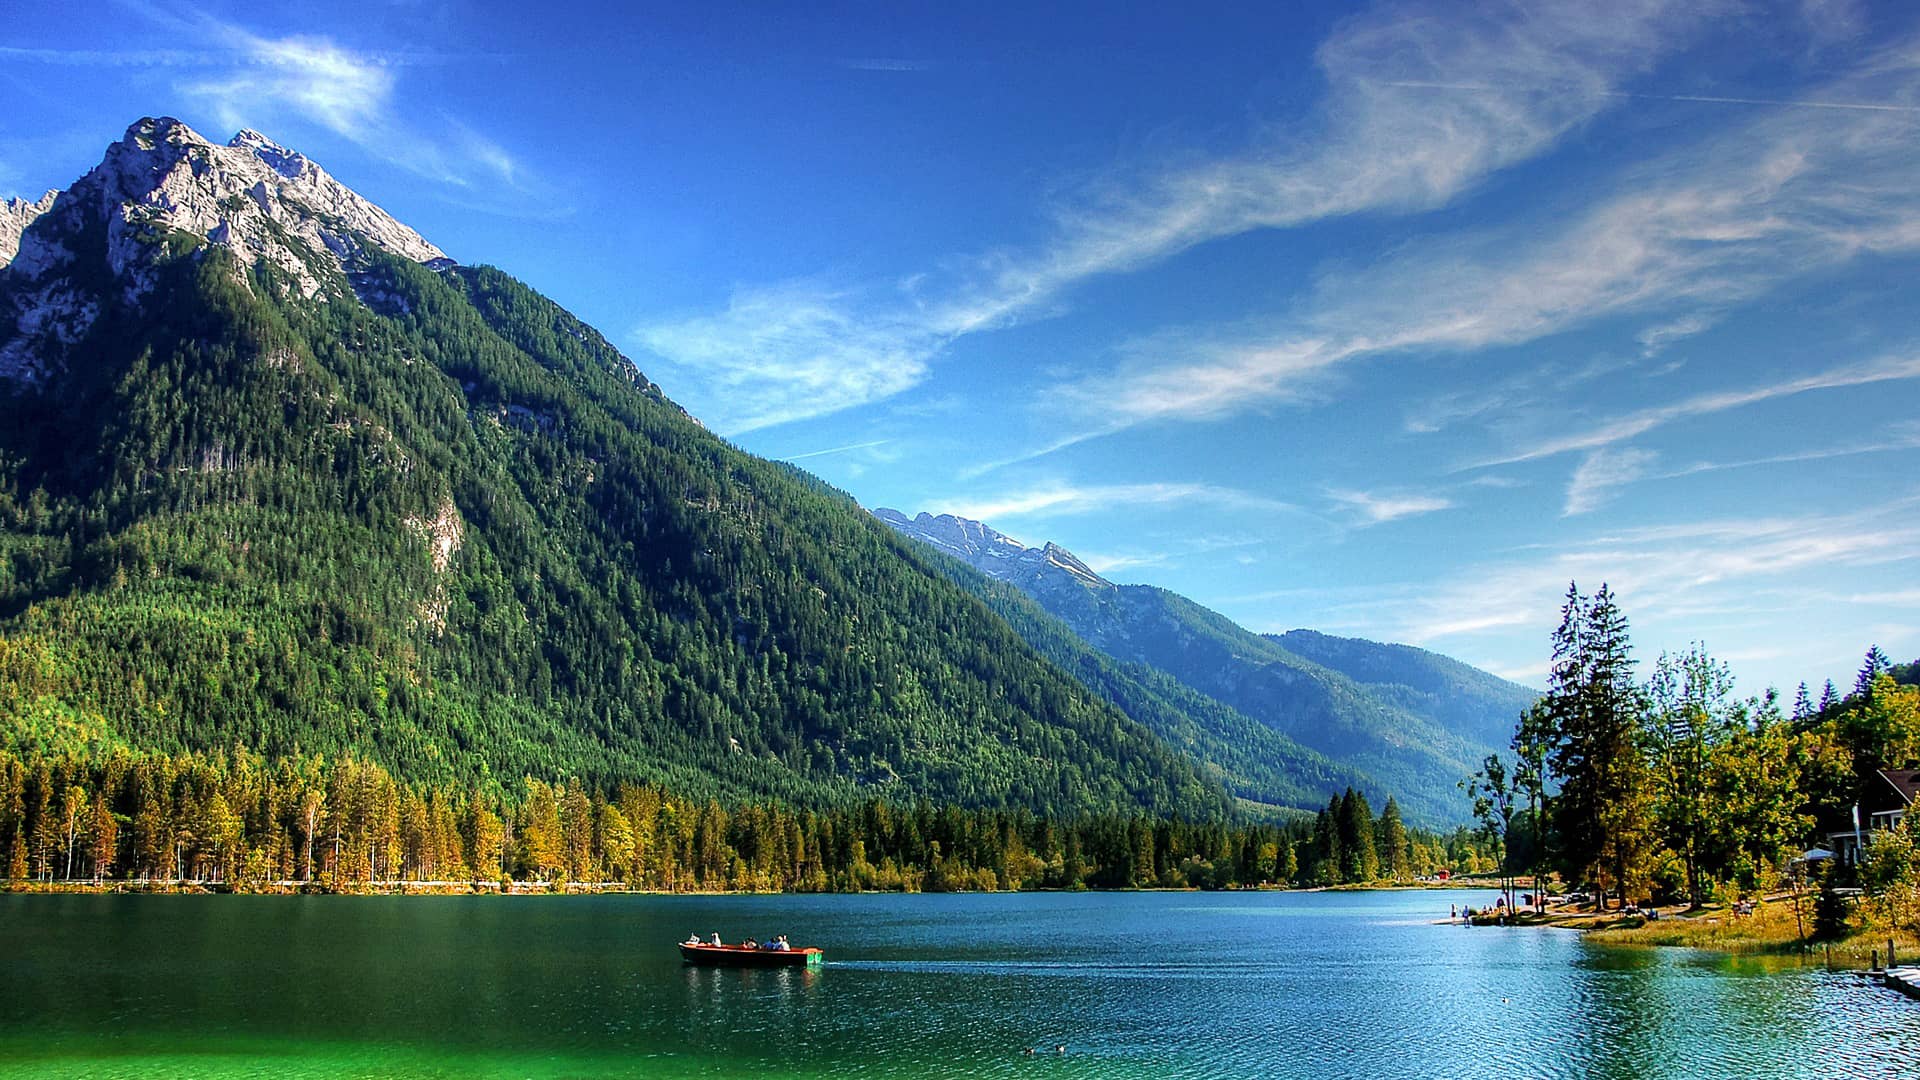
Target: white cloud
(1380, 145)
(254, 81)
(1600, 473)
(1605, 469)
(339, 89)
(1655, 339)
(1792, 192)
(1384, 143)
(1905, 436)
(1619, 429)
(786, 353)
(832, 450)
(1375, 508)
(1062, 500)
(1102, 563)
(1661, 572)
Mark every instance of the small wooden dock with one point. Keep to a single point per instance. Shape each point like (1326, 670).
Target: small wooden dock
(1904, 979)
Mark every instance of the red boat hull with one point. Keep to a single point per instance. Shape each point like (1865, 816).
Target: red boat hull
(747, 956)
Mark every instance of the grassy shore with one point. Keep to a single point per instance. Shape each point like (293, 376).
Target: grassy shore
(1770, 929)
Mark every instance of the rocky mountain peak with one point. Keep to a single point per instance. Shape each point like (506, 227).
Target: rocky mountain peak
(15, 216)
(1068, 561)
(994, 553)
(163, 188)
(287, 163)
(959, 536)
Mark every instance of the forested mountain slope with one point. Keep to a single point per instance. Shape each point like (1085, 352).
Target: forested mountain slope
(274, 472)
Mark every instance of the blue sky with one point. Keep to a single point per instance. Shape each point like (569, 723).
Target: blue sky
(1385, 321)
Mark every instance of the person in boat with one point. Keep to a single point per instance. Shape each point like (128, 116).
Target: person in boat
(780, 944)
(715, 942)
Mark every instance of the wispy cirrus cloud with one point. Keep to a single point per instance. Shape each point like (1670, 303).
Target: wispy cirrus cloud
(787, 352)
(1378, 147)
(1657, 338)
(1529, 386)
(1676, 582)
(1109, 563)
(1607, 469)
(349, 92)
(1174, 549)
(1789, 193)
(830, 451)
(1379, 507)
(1902, 436)
(1601, 473)
(1631, 425)
(342, 90)
(1684, 570)
(251, 80)
(1061, 500)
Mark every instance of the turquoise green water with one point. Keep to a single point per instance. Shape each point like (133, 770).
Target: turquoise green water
(1156, 984)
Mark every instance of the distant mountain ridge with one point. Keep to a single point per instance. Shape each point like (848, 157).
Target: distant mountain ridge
(1270, 773)
(1465, 699)
(1412, 721)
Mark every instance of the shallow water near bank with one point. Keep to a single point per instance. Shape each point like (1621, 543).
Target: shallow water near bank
(1349, 984)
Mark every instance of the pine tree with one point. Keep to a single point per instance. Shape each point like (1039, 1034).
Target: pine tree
(1359, 859)
(1875, 664)
(1601, 813)
(1394, 856)
(1802, 704)
(1329, 854)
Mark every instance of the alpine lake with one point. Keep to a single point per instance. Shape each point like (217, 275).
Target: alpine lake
(1247, 984)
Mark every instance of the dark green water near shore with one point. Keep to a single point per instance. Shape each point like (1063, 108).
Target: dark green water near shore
(1156, 984)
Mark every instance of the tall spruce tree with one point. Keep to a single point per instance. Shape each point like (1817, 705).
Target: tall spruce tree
(1802, 704)
(1395, 858)
(1328, 851)
(1601, 813)
(1871, 668)
(1829, 698)
(1359, 859)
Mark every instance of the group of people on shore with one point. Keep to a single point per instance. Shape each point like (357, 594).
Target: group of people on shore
(777, 943)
